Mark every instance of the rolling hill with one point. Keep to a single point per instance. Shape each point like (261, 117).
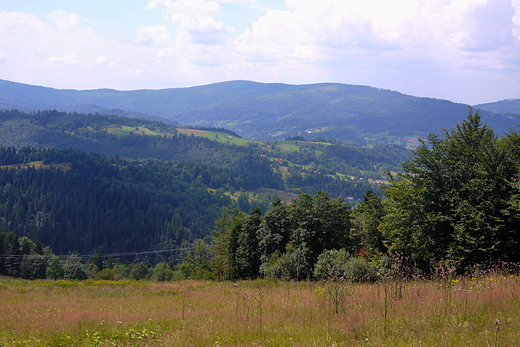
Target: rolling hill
(358, 114)
(505, 106)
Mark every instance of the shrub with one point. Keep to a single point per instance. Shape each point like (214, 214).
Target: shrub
(292, 264)
(33, 267)
(138, 272)
(92, 270)
(362, 270)
(121, 270)
(55, 269)
(108, 274)
(162, 272)
(74, 270)
(331, 263)
(336, 263)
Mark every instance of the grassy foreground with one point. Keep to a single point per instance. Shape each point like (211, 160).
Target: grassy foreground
(470, 311)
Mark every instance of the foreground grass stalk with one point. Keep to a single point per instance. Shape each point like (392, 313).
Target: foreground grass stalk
(260, 297)
(497, 331)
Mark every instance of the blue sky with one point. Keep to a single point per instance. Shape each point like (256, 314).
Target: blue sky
(461, 50)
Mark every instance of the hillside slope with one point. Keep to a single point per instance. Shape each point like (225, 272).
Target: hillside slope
(505, 106)
(357, 114)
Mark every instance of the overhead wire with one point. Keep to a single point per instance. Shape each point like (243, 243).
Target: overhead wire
(90, 256)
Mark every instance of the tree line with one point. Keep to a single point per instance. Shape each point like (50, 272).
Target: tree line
(457, 201)
(28, 259)
(286, 242)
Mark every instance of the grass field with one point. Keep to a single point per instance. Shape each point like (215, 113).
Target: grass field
(470, 311)
(36, 165)
(126, 130)
(286, 197)
(284, 146)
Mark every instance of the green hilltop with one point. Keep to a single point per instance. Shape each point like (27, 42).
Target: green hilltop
(357, 114)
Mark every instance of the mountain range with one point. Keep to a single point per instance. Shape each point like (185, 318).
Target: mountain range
(358, 114)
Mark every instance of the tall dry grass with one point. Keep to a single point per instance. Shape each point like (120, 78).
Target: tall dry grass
(480, 310)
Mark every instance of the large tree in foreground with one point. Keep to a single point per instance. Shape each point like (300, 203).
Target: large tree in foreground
(319, 223)
(454, 199)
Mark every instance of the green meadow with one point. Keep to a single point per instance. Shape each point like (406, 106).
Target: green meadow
(481, 309)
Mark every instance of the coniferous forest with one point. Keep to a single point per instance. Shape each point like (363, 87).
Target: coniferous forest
(456, 199)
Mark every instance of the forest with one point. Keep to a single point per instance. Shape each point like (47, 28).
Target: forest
(456, 199)
(77, 202)
(312, 165)
(456, 202)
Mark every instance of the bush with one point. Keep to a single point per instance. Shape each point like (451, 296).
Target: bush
(92, 270)
(108, 274)
(337, 263)
(178, 276)
(74, 269)
(331, 263)
(55, 269)
(138, 272)
(33, 267)
(362, 270)
(162, 272)
(288, 266)
(121, 270)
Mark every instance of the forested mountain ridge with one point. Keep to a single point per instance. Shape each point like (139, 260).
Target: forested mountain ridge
(79, 202)
(357, 114)
(111, 135)
(507, 106)
(280, 165)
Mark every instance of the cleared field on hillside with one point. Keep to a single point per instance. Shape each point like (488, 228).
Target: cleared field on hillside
(36, 165)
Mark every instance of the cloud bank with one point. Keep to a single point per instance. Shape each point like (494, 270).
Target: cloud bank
(462, 50)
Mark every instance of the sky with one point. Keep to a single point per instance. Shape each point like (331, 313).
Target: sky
(465, 51)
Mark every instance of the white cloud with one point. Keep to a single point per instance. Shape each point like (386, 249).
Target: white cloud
(21, 28)
(153, 36)
(101, 60)
(245, 2)
(516, 18)
(427, 30)
(68, 60)
(3, 56)
(64, 20)
(485, 27)
(194, 19)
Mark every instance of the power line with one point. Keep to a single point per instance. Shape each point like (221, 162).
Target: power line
(90, 256)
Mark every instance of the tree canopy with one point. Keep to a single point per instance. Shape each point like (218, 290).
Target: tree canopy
(453, 201)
